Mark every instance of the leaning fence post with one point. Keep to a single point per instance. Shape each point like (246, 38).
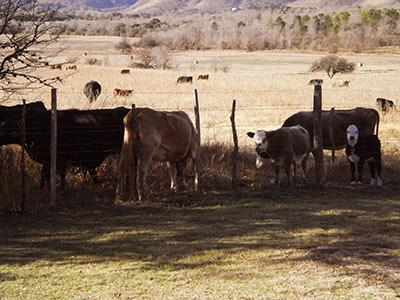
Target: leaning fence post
(23, 174)
(53, 151)
(140, 174)
(331, 132)
(235, 147)
(197, 164)
(317, 132)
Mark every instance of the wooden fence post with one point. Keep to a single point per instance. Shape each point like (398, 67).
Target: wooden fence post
(23, 173)
(318, 143)
(53, 149)
(140, 182)
(197, 163)
(331, 132)
(235, 147)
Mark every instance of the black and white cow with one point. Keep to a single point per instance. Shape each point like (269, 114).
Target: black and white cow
(285, 146)
(361, 148)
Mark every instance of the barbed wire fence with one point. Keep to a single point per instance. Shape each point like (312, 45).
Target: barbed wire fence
(222, 111)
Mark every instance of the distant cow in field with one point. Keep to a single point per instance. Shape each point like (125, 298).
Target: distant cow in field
(56, 67)
(165, 137)
(121, 92)
(285, 146)
(185, 79)
(341, 83)
(385, 105)
(361, 148)
(92, 90)
(315, 81)
(203, 77)
(71, 67)
(125, 71)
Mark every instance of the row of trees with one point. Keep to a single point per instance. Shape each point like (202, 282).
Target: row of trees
(27, 29)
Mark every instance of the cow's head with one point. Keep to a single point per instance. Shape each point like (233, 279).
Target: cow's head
(352, 135)
(261, 142)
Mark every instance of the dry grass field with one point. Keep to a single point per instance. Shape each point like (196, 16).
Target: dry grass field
(259, 242)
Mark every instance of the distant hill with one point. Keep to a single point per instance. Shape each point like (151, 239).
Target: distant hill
(91, 4)
(346, 4)
(159, 7)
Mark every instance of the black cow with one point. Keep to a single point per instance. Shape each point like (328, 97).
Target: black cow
(385, 105)
(84, 138)
(185, 79)
(315, 81)
(361, 148)
(92, 90)
(366, 119)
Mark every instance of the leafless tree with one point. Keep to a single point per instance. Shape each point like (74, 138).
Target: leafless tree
(26, 30)
(146, 58)
(332, 65)
(162, 56)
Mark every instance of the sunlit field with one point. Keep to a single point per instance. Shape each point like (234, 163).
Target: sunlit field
(256, 242)
(268, 86)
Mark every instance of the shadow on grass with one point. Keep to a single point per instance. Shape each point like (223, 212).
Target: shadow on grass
(358, 228)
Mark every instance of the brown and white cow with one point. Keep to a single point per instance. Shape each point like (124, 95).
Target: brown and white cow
(165, 136)
(121, 92)
(341, 83)
(285, 146)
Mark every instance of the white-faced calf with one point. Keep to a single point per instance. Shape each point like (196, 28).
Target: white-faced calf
(284, 146)
(361, 148)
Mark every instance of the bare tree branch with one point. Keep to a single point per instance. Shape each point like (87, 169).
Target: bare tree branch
(26, 30)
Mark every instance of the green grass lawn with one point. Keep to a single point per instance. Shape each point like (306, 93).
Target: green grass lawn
(276, 243)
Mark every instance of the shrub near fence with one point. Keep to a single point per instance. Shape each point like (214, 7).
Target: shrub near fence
(216, 164)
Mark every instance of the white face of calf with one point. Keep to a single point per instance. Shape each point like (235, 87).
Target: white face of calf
(261, 142)
(352, 135)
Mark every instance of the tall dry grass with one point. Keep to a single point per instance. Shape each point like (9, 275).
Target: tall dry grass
(268, 87)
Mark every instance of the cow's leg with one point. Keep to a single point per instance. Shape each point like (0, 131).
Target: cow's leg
(45, 175)
(146, 160)
(372, 169)
(93, 174)
(172, 170)
(294, 172)
(304, 169)
(378, 163)
(288, 167)
(360, 167)
(353, 171)
(63, 172)
(276, 173)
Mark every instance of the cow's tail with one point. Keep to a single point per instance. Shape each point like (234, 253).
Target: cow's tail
(377, 123)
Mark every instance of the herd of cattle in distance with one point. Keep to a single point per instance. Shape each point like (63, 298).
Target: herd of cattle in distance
(87, 137)
(92, 89)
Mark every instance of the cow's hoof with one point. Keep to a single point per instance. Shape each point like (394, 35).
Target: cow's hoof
(379, 182)
(373, 181)
(353, 183)
(272, 181)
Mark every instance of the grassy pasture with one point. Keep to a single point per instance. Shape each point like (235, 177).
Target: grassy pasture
(335, 244)
(259, 242)
(268, 87)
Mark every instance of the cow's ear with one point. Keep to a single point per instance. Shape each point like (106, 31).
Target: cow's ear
(251, 134)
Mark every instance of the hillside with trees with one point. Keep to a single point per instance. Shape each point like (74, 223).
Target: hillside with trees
(282, 29)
